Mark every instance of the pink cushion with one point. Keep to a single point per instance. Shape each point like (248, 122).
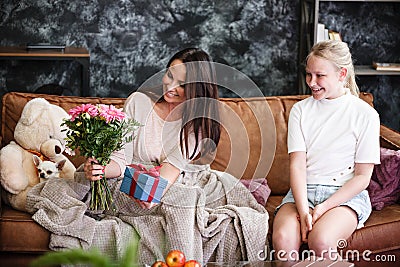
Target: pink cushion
(259, 188)
(384, 188)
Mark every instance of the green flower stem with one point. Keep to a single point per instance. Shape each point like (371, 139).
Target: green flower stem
(101, 195)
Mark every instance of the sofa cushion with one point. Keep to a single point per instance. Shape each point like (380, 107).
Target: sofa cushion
(248, 150)
(258, 188)
(254, 148)
(380, 231)
(384, 188)
(21, 232)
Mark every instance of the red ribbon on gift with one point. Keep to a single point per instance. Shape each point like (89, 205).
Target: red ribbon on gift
(140, 169)
(153, 190)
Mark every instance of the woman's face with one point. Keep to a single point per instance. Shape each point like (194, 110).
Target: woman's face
(324, 79)
(173, 82)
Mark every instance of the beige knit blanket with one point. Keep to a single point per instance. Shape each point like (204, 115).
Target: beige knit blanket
(213, 219)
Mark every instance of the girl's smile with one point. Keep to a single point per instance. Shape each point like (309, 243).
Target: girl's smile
(324, 78)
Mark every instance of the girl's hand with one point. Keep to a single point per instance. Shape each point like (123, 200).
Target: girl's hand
(93, 170)
(305, 226)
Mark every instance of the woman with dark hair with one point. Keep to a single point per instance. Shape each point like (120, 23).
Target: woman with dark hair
(186, 108)
(209, 215)
(201, 116)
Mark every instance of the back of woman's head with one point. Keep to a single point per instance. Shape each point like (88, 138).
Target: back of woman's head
(339, 54)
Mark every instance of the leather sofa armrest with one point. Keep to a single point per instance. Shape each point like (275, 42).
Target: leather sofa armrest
(1, 201)
(389, 138)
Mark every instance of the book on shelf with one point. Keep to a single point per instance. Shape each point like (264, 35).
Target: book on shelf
(334, 35)
(320, 32)
(324, 33)
(386, 66)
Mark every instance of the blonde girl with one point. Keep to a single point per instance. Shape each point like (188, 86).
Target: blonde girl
(333, 144)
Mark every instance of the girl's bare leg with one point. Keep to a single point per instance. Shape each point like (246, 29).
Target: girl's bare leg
(334, 225)
(286, 239)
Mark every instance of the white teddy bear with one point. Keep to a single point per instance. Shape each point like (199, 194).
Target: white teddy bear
(39, 132)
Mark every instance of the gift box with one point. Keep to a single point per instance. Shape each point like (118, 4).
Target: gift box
(143, 184)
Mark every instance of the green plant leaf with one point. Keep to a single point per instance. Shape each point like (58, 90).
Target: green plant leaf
(74, 256)
(93, 256)
(130, 256)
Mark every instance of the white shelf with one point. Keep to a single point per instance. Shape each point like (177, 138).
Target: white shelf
(369, 70)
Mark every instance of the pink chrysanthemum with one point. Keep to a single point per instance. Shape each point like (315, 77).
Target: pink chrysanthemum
(93, 111)
(110, 113)
(84, 108)
(75, 112)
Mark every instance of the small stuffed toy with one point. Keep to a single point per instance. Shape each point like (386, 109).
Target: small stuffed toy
(38, 132)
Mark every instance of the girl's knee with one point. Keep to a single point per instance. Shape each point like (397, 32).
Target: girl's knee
(279, 236)
(321, 245)
(283, 239)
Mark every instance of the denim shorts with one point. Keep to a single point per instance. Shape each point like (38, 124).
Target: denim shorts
(317, 194)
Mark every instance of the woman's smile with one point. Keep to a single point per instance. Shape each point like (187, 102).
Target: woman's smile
(171, 94)
(173, 83)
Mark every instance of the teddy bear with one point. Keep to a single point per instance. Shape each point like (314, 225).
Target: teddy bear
(38, 132)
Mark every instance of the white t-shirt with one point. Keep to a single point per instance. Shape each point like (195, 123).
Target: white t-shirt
(335, 134)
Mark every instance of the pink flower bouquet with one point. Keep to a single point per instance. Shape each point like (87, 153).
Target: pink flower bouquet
(96, 131)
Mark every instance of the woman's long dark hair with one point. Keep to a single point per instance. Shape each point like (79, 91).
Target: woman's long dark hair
(200, 114)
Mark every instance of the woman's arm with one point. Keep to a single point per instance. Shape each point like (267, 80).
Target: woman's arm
(170, 173)
(360, 181)
(298, 184)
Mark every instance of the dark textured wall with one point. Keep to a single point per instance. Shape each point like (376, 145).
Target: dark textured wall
(129, 41)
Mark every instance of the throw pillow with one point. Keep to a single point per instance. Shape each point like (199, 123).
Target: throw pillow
(384, 188)
(258, 188)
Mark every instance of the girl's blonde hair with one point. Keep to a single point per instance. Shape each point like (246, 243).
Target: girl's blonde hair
(339, 54)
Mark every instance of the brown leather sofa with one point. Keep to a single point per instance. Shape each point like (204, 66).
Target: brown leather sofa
(22, 239)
